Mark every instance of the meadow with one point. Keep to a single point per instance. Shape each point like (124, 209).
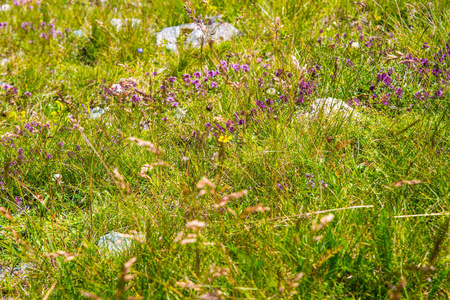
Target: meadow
(209, 161)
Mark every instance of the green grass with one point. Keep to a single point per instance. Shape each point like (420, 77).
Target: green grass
(286, 251)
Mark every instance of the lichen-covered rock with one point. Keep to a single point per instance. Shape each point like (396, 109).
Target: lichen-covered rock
(330, 107)
(213, 30)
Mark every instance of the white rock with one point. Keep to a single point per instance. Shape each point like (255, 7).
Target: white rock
(97, 112)
(119, 23)
(330, 107)
(79, 33)
(115, 242)
(214, 30)
(170, 35)
(4, 62)
(5, 7)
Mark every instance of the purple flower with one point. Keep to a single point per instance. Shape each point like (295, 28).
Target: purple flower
(245, 68)
(399, 92)
(278, 72)
(140, 50)
(172, 79)
(18, 201)
(197, 74)
(60, 144)
(20, 154)
(48, 156)
(27, 94)
(78, 147)
(135, 98)
(213, 84)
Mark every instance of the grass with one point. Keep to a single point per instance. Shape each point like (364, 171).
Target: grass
(318, 207)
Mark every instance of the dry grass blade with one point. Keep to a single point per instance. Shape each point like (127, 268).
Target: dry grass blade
(148, 167)
(195, 225)
(5, 213)
(90, 295)
(50, 290)
(121, 181)
(146, 144)
(403, 182)
(253, 209)
(323, 221)
(205, 182)
(397, 293)
(424, 215)
(227, 198)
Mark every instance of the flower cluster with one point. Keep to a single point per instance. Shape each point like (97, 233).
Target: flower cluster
(312, 183)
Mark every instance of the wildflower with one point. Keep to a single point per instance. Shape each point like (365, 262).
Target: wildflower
(140, 50)
(278, 72)
(20, 154)
(135, 98)
(224, 139)
(48, 156)
(197, 74)
(399, 92)
(438, 93)
(18, 201)
(172, 79)
(235, 67)
(60, 144)
(27, 94)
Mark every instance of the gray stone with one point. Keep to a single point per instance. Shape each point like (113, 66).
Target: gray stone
(115, 242)
(213, 30)
(20, 271)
